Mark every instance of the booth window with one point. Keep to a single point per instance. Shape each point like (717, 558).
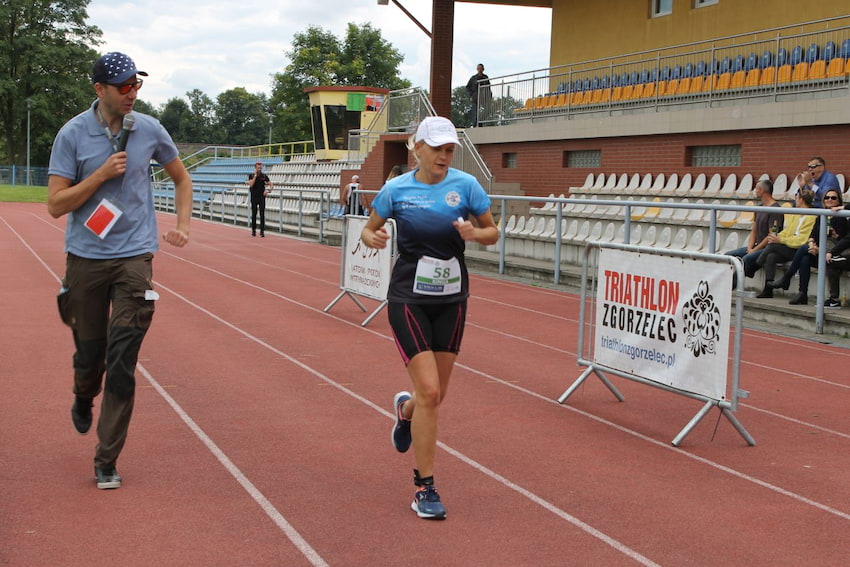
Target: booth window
(661, 8)
(339, 121)
(318, 138)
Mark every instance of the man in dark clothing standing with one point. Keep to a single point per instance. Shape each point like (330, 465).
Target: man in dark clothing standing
(260, 186)
(478, 84)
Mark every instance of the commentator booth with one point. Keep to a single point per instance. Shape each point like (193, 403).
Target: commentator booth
(335, 111)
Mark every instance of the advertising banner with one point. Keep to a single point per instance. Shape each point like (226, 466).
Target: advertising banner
(666, 319)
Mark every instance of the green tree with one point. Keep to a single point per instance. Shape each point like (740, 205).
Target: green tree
(201, 126)
(175, 117)
(242, 117)
(45, 63)
(318, 58)
(460, 107)
(145, 108)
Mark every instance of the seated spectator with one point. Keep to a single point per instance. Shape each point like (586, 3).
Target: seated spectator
(837, 260)
(782, 247)
(807, 254)
(762, 223)
(818, 179)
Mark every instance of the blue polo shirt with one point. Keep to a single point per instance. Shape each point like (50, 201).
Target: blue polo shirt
(424, 215)
(827, 181)
(80, 147)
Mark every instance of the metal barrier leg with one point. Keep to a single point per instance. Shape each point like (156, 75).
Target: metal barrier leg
(575, 384)
(693, 422)
(733, 419)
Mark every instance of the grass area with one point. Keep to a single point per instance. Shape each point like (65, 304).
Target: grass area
(23, 194)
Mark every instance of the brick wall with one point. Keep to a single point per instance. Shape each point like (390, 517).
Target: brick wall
(541, 171)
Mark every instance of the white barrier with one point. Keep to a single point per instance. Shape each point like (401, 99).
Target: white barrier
(365, 271)
(663, 318)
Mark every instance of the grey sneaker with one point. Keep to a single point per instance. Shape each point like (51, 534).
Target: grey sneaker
(401, 430)
(107, 478)
(81, 414)
(427, 505)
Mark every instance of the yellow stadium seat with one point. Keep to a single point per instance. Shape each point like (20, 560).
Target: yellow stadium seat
(575, 98)
(637, 92)
(529, 103)
(817, 70)
(738, 78)
(783, 75)
(617, 94)
(596, 97)
(685, 85)
(801, 72)
(672, 87)
(697, 85)
(752, 78)
(586, 97)
(648, 90)
(627, 92)
(835, 68)
(723, 81)
(606, 95)
(768, 76)
(562, 100)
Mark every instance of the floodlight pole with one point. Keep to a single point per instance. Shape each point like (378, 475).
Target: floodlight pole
(270, 128)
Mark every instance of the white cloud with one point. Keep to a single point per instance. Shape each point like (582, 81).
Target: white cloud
(218, 45)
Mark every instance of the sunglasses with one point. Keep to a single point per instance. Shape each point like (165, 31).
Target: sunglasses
(124, 89)
(831, 198)
(810, 166)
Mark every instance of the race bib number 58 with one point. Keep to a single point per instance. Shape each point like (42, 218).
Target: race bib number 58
(437, 277)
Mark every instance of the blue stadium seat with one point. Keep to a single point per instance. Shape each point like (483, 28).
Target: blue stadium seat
(653, 75)
(766, 59)
(844, 52)
(796, 55)
(665, 73)
(562, 87)
(633, 78)
(605, 82)
(752, 62)
(700, 70)
(615, 80)
(585, 85)
(738, 63)
(812, 53)
(677, 72)
(644, 77)
(781, 57)
(688, 71)
(594, 84)
(725, 65)
(828, 51)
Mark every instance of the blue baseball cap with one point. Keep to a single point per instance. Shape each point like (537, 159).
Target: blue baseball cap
(114, 68)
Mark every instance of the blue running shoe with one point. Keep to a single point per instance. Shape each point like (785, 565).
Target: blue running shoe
(401, 429)
(426, 504)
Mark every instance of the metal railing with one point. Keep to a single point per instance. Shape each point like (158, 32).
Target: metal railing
(644, 79)
(403, 110)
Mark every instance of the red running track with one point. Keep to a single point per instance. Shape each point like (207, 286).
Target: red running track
(261, 432)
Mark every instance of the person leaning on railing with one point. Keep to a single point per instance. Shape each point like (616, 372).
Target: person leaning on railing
(837, 260)
(781, 247)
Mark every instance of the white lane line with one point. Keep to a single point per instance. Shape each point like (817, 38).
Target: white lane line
(312, 556)
(622, 548)
(305, 548)
(678, 451)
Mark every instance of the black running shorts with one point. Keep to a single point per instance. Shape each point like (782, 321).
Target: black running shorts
(419, 327)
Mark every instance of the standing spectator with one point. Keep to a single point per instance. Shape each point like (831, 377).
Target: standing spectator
(260, 186)
(352, 200)
(782, 247)
(478, 89)
(429, 286)
(762, 225)
(818, 179)
(108, 297)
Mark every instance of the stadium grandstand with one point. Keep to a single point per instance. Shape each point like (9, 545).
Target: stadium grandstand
(651, 126)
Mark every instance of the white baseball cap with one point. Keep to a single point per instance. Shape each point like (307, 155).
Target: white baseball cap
(436, 131)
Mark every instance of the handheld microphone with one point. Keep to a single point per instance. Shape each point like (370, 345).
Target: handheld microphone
(126, 126)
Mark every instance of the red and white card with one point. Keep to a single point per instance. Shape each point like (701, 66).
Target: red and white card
(103, 218)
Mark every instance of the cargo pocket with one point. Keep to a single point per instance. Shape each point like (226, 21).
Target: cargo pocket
(63, 299)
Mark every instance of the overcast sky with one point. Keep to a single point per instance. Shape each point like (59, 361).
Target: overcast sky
(216, 45)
